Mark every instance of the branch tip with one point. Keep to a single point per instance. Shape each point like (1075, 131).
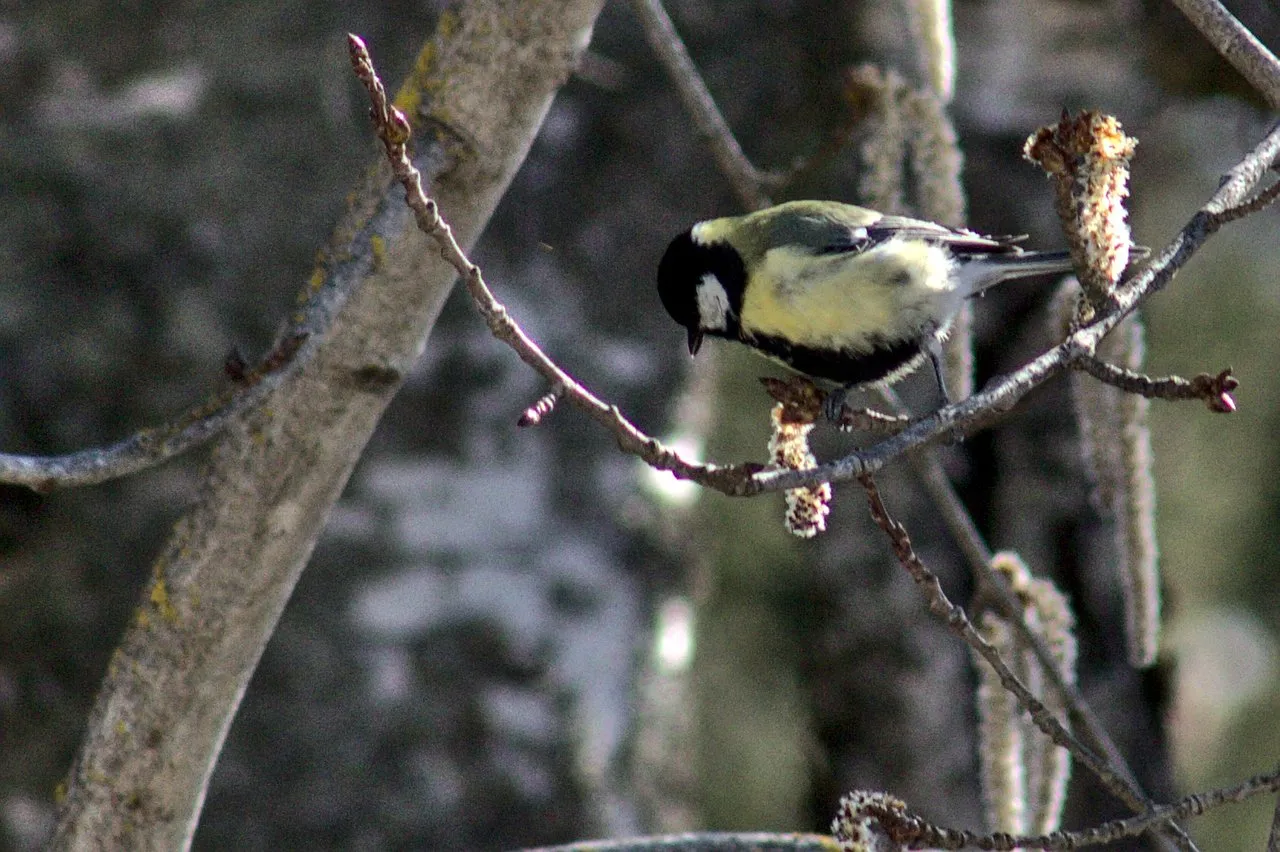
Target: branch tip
(534, 414)
(1214, 390)
(1218, 390)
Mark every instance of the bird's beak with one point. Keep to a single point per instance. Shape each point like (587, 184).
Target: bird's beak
(695, 340)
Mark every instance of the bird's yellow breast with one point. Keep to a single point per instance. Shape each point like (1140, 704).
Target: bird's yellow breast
(853, 301)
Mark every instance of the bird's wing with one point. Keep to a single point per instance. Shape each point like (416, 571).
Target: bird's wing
(829, 228)
(959, 240)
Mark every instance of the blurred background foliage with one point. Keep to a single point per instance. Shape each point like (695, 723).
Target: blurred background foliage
(467, 663)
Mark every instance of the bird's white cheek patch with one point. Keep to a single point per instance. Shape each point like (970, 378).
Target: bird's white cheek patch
(713, 302)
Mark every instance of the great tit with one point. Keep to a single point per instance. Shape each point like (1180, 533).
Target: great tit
(834, 291)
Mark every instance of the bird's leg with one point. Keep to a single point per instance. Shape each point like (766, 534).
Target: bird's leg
(934, 350)
(833, 405)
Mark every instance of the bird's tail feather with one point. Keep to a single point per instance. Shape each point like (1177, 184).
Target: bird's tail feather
(977, 277)
(998, 268)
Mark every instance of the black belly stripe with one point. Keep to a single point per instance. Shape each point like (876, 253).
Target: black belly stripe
(842, 366)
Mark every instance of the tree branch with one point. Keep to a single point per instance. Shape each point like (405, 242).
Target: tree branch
(150, 447)
(705, 842)
(955, 618)
(1237, 45)
(223, 578)
(1215, 391)
(913, 831)
(743, 177)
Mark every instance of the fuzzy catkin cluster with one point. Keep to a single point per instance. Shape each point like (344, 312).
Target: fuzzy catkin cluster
(807, 508)
(1088, 159)
(1024, 774)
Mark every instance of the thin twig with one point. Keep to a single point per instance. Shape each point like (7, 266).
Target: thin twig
(705, 842)
(392, 128)
(908, 830)
(747, 479)
(1215, 391)
(975, 549)
(1237, 45)
(150, 447)
(1244, 177)
(1261, 201)
(956, 619)
(745, 179)
(955, 516)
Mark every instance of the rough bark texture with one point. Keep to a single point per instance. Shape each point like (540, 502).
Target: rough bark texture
(455, 668)
(222, 580)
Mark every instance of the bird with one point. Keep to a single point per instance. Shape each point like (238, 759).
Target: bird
(839, 293)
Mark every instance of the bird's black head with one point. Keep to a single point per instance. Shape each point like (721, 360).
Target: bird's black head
(701, 285)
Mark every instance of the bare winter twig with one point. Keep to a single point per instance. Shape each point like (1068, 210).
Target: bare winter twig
(914, 832)
(955, 618)
(391, 124)
(1000, 395)
(1215, 391)
(746, 180)
(150, 447)
(705, 842)
(1236, 44)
